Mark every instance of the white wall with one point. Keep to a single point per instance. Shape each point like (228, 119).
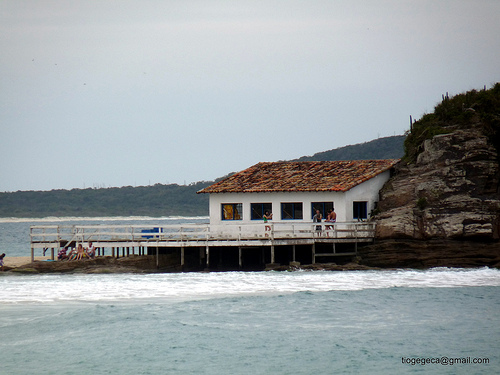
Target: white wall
(367, 191)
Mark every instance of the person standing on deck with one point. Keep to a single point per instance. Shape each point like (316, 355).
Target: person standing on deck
(331, 218)
(317, 219)
(267, 216)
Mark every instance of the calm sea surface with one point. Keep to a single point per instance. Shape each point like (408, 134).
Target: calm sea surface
(362, 322)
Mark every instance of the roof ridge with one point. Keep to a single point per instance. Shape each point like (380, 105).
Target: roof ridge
(328, 175)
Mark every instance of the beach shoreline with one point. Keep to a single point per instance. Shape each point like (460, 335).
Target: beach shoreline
(141, 264)
(22, 261)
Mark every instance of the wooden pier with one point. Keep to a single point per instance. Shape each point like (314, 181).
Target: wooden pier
(233, 245)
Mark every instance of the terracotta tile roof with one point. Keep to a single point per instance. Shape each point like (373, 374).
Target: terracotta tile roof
(301, 176)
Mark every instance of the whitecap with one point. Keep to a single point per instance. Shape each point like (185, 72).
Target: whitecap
(197, 286)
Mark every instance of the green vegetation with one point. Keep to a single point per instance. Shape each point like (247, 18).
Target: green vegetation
(158, 200)
(422, 203)
(473, 108)
(381, 148)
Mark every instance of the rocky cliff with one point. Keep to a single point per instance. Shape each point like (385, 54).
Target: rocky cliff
(447, 187)
(450, 192)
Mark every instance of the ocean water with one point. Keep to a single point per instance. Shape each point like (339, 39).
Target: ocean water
(357, 322)
(436, 321)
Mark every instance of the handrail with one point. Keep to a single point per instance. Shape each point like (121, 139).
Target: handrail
(198, 232)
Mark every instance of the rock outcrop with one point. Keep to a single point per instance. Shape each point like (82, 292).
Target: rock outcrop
(442, 205)
(430, 253)
(107, 264)
(448, 185)
(450, 192)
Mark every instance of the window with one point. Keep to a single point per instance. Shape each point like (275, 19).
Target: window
(231, 211)
(359, 210)
(259, 209)
(291, 211)
(323, 207)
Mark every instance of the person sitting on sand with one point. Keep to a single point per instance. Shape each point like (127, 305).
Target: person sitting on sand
(90, 251)
(80, 253)
(72, 254)
(1, 261)
(61, 255)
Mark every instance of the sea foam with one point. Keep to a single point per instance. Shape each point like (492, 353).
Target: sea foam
(198, 286)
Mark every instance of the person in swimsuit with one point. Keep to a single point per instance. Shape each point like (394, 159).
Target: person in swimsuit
(267, 216)
(331, 218)
(80, 253)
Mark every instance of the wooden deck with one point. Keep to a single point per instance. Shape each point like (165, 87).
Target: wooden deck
(205, 236)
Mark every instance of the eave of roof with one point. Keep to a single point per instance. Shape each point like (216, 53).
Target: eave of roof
(301, 176)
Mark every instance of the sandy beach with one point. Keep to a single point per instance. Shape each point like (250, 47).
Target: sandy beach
(20, 261)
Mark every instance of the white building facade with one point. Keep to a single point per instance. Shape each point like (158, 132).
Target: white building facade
(248, 207)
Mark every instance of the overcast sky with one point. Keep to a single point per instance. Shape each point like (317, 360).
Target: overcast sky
(137, 92)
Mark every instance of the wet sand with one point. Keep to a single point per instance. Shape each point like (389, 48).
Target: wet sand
(20, 261)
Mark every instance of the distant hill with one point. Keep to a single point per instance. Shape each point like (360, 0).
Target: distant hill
(381, 148)
(160, 200)
(157, 200)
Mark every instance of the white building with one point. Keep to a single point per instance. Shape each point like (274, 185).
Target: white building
(237, 238)
(293, 191)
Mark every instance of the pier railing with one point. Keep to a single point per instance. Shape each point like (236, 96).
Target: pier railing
(44, 236)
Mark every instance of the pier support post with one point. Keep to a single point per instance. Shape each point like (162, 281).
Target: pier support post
(201, 256)
(32, 255)
(313, 250)
(294, 263)
(113, 252)
(240, 263)
(182, 256)
(207, 252)
(272, 254)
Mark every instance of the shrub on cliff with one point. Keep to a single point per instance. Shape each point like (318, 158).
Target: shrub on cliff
(473, 108)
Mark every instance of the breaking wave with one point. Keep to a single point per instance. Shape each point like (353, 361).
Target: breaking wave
(199, 286)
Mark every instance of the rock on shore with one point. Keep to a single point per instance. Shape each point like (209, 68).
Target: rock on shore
(108, 264)
(430, 253)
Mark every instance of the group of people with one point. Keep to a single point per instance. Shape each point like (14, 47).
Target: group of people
(77, 253)
(330, 218)
(317, 218)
